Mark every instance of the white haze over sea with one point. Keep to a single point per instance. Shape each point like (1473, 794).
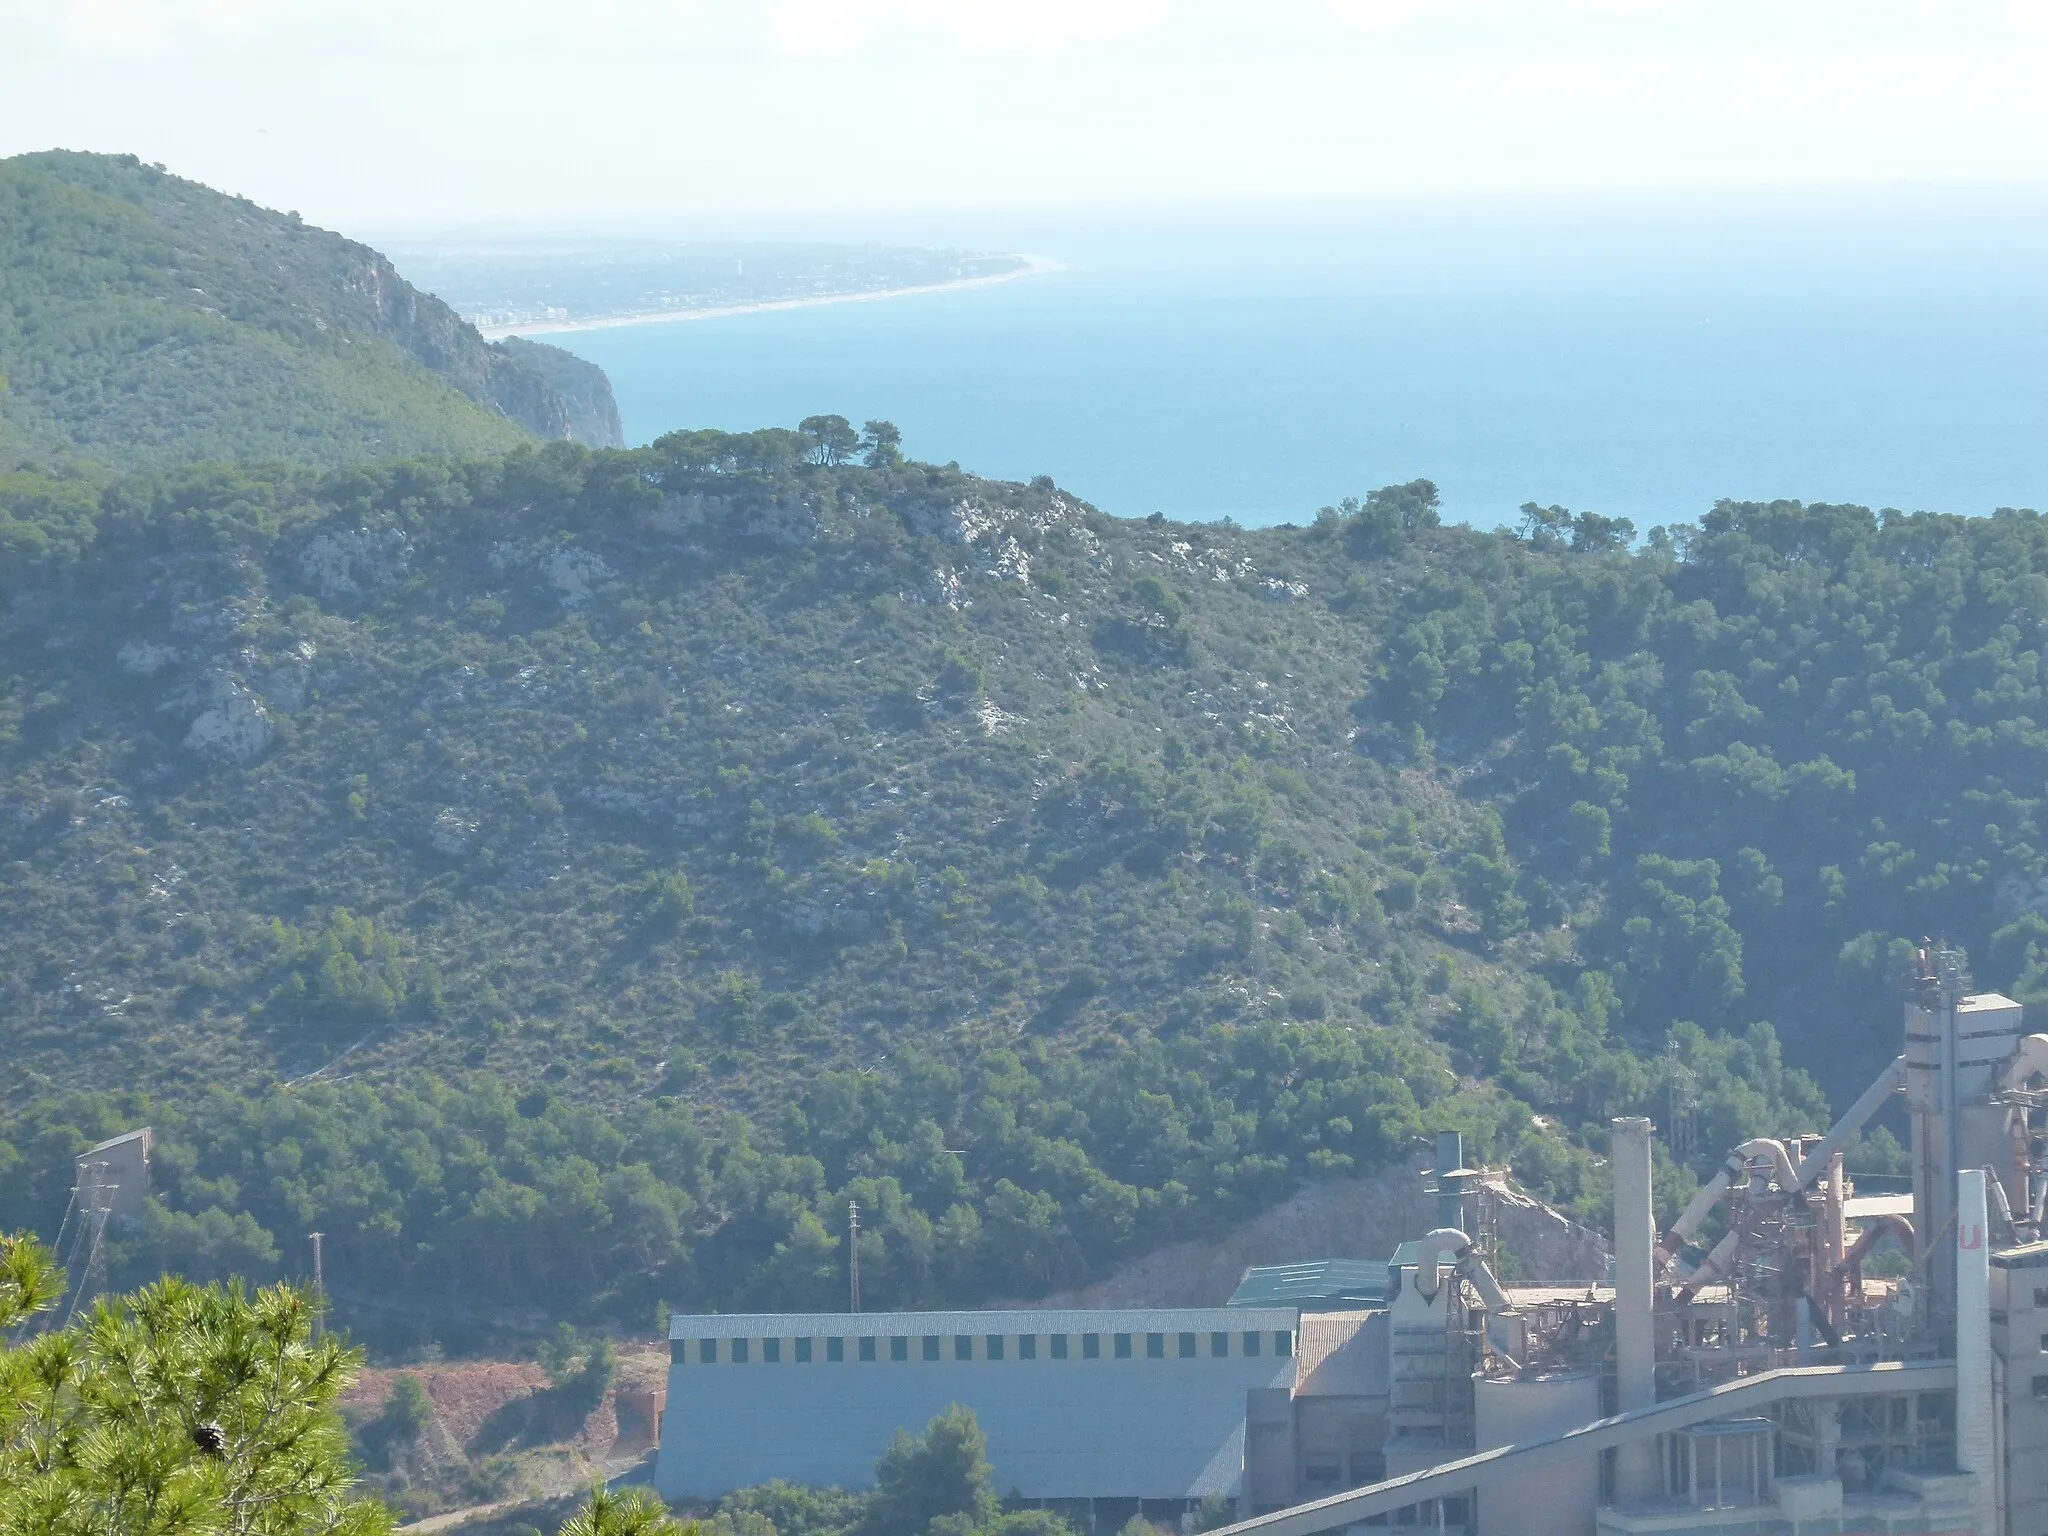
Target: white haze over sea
(1640, 356)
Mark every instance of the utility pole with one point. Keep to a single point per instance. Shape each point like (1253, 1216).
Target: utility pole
(319, 1286)
(853, 1249)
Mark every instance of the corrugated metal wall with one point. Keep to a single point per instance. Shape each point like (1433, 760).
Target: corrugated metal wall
(1157, 1410)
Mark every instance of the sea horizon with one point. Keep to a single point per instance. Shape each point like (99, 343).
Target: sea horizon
(1643, 363)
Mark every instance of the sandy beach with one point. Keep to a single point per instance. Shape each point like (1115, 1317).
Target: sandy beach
(1033, 267)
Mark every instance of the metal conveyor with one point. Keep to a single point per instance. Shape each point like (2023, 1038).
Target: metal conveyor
(1747, 1394)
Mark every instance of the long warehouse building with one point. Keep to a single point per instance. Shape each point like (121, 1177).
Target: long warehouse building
(1146, 1404)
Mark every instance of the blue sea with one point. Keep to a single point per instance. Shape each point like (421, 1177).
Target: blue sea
(1637, 357)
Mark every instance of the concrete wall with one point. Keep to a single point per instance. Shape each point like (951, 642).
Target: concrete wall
(1556, 1500)
(1164, 1425)
(1270, 1467)
(2019, 1335)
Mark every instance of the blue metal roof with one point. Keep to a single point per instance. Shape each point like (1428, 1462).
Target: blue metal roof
(1323, 1285)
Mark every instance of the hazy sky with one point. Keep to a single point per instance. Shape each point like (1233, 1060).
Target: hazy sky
(425, 114)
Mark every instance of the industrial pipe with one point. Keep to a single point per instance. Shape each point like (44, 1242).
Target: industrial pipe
(1781, 1160)
(1709, 1196)
(1882, 1087)
(2001, 1208)
(1858, 1114)
(1817, 1316)
(1737, 1166)
(1873, 1232)
(1474, 1269)
(2029, 1059)
(1430, 1252)
(1711, 1267)
(1711, 1192)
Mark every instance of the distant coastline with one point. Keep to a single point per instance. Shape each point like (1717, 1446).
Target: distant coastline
(1033, 266)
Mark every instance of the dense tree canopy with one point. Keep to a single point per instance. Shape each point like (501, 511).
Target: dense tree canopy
(667, 847)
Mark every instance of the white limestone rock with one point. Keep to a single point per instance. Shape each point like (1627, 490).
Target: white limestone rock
(963, 522)
(357, 565)
(573, 573)
(996, 721)
(235, 728)
(452, 833)
(786, 522)
(145, 658)
(576, 574)
(1011, 562)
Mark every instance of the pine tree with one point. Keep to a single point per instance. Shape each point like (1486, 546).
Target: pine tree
(179, 1410)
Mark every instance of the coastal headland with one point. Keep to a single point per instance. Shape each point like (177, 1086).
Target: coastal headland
(1032, 266)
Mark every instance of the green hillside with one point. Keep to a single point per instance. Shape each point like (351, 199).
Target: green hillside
(568, 878)
(147, 321)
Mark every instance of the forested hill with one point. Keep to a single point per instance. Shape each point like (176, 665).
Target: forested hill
(568, 877)
(147, 321)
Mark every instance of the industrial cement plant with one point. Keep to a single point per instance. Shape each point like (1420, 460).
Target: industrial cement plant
(1740, 1373)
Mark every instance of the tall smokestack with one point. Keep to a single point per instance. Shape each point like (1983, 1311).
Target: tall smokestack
(1636, 1472)
(1450, 1192)
(1974, 1438)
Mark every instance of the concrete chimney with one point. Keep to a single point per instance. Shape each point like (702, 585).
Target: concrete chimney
(1450, 1192)
(1975, 1441)
(1636, 1472)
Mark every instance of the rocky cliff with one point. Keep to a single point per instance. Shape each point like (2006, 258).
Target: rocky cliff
(582, 387)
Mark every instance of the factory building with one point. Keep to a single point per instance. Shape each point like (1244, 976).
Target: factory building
(1744, 1375)
(1740, 1375)
(1082, 1405)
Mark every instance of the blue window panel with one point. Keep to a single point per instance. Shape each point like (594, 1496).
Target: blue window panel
(803, 1351)
(899, 1348)
(739, 1351)
(1091, 1346)
(1027, 1346)
(1251, 1344)
(867, 1347)
(1219, 1346)
(930, 1346)
(1155, 1346)
(1283, 1343)
(963, 1346)
(1123, 1346)
(771, 1351)
(1059, 1346)
(995, 1346)
(835, 1350)
(1187, 1346)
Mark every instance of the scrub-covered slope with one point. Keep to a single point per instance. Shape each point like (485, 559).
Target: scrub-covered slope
(570, 877)
(146, 320)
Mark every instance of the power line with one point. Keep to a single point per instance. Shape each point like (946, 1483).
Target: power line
(93, 1198)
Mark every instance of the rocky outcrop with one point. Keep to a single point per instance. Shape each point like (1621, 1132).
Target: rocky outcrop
(583, 387)
(1340, 1219)
(572, 573)
(355, 564)
(787, 522)
(441, 341)
(232, 725)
